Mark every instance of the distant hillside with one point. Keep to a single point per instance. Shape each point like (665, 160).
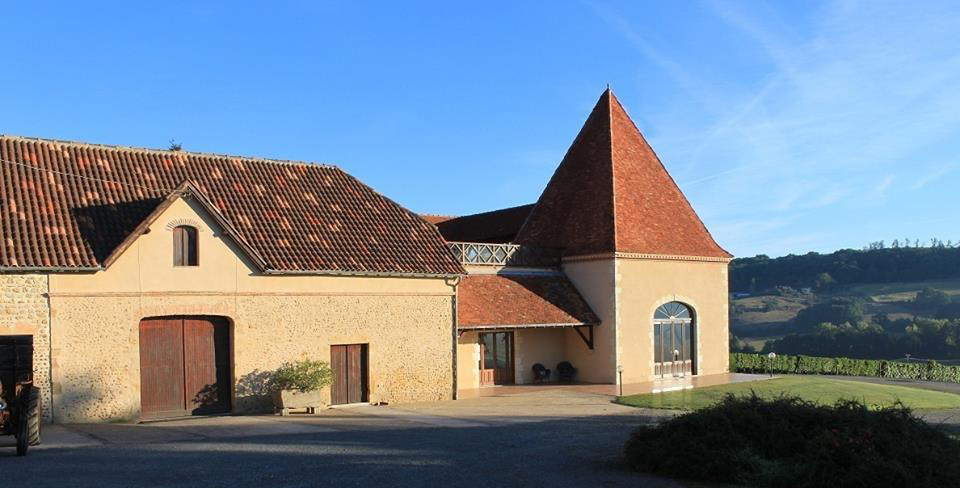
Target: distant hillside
(845, 267)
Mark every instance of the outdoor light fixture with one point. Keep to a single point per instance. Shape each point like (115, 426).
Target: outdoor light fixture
(772, 356)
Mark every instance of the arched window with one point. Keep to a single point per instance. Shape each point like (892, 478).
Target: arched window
(674, 340)
(185, 246)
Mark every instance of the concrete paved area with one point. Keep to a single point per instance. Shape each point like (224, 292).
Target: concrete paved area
(549, 438)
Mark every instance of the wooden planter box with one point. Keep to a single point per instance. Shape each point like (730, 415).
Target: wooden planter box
(310, 401)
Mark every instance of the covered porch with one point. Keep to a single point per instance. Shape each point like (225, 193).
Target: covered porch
(508, 323)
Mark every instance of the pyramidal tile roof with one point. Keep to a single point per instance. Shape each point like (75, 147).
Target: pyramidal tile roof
(70, 205)
(611, 193)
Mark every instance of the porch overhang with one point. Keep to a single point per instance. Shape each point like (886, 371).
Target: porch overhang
(523, 301)
(585, 331)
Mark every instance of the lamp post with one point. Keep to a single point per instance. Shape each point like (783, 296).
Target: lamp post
(771, 356)
(620, 373)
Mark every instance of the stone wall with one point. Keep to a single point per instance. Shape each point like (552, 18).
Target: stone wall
(410, 340)
(96, 345)
(24, 311)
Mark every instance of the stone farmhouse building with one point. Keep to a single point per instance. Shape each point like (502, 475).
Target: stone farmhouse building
(160, 283)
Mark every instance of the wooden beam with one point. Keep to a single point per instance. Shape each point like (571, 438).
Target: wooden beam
(586, 340)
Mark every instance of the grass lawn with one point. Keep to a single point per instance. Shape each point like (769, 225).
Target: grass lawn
(814, 388)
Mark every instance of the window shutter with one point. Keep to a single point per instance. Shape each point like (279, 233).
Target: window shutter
(185, 252)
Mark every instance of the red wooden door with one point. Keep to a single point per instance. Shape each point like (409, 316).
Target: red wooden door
(338, 363)
(161, 367)
(206, 361)
(349, 365)
(185, 366)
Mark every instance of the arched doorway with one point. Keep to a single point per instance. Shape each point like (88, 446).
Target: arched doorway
(674, 340)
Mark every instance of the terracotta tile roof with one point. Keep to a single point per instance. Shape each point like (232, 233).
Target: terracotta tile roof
(494, 226)
(520, 299)
(69, 205)
(611, 193)
(436, 219)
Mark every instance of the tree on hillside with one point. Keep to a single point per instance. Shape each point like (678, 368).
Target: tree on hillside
(853, 340)
(847, 266)
(931, 297)
(824, 281)
(837, 311)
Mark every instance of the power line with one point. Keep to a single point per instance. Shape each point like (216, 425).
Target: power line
(91, 178)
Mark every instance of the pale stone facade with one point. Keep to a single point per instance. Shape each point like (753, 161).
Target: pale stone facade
(86, 325)
(97, 376)
(623, 290)
(645, 283)
(94, 374)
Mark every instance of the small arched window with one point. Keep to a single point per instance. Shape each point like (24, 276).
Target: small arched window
(671, 310)
(185, 246)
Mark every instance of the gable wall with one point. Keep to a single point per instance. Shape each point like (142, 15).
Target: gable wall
(407, 322)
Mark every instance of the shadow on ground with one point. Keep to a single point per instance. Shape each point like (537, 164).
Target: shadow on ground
(342, 450)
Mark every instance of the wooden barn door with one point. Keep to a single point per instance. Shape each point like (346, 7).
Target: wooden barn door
(349, 365)
(184, 366)
(161, 368)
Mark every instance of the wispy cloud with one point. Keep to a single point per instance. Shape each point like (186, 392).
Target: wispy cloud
(930, 176)
(883, 186)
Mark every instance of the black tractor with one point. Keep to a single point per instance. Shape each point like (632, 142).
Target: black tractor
(20, 407)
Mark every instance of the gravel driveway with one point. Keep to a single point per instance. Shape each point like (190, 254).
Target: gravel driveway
(548, 438)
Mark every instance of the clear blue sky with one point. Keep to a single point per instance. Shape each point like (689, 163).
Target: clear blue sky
(791, 126)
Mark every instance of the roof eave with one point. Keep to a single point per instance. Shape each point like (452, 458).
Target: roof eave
(49, 269)
(525, 326)
(340, 272)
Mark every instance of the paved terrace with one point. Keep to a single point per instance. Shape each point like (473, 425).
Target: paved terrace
(550, 436)
(531, 436)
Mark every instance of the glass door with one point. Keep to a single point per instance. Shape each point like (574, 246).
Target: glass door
(673, 340)
(496, 358)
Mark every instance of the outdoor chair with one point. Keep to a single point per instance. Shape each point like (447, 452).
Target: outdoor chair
(540, 373)
(566, 371)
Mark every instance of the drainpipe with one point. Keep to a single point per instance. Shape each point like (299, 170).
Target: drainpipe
(456, 336)
(50, 350)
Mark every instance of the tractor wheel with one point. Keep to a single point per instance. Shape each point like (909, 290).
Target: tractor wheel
(34, 412)
(28, 421)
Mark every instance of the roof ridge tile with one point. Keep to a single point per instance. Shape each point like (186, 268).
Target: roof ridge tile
(169, 152)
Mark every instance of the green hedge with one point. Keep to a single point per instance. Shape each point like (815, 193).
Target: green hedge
(787, 364)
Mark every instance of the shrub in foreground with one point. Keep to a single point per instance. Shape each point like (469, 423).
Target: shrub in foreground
(789, 442)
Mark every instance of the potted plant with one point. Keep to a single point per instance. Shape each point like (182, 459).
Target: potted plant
(299, 385)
